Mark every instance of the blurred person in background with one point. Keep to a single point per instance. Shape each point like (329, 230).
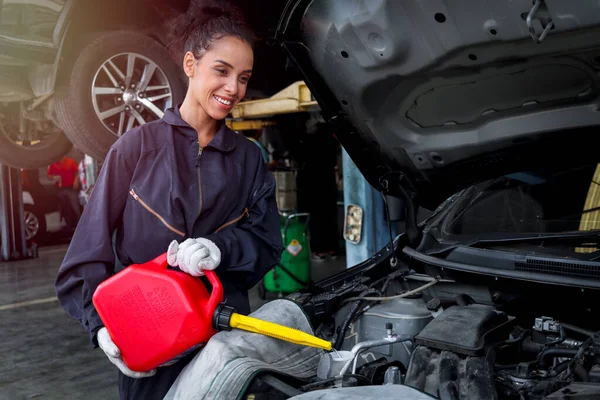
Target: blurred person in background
(66, 175)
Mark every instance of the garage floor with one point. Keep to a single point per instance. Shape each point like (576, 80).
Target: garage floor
(43, 353)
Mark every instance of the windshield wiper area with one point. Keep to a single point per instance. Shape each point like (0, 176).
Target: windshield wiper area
(533, 268)
(591, 236)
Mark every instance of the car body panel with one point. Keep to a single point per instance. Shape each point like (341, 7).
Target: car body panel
(52, 215)
(443, 91)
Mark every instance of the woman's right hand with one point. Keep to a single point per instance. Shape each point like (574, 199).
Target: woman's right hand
(114, 355)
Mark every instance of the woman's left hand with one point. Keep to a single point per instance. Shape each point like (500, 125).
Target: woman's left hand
(193, 256)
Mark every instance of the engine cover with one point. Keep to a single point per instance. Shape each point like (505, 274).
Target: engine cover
(450, 360)
(464, 329)
(449, 375)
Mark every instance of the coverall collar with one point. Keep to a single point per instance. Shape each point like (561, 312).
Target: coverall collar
(223, 141)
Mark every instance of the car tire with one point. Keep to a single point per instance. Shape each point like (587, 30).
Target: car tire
(101, 83)
(38, 155)
(34, 223)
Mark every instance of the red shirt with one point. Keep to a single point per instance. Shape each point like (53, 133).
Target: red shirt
(67, 169)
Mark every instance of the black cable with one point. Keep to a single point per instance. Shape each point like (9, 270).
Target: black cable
(507, 342)
(309, 386)
(577, 329)
(412, 228)
(393, 259)
(580, 352)
(359, 377)
(561, 339)
(561, 367)
(354, 307)
(580, 372)
(387, 279)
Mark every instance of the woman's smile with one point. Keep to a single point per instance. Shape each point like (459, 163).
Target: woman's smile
(226, 103)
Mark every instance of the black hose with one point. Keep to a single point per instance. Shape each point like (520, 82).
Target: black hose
(464, 300)
(561, 367)
(580, 372)
(561, 339)
(547, 355)
(354, 307)
(577, 329)
(580, 352)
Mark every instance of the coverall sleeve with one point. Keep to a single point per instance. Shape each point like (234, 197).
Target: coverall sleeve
(90, 258)
(252, 248)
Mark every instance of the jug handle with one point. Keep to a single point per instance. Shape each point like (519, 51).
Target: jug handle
(216, 295)
(159, 262)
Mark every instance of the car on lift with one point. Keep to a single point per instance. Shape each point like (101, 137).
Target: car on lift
(485, 112)
(84, 72)
(81, 72)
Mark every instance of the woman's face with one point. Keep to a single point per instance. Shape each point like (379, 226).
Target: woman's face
(218, 80)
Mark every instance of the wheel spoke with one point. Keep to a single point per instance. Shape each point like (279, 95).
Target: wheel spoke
(157, 87)
(117, 70)
(111, 112)
(146, 76)
(110, 76)
(121, 123)
(159, 96)
(130, 65)
(138, 117)
(130, 122)
(106, 90)
(152, 107)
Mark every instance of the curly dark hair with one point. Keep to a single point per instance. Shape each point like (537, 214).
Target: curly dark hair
(204, 22)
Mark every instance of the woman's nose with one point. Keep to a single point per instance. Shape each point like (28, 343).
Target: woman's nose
(231, 88)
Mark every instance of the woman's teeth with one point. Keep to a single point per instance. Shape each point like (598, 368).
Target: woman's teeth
(223, 101)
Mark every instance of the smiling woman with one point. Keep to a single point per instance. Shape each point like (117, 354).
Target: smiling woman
(184, 177)
(218, 66)
(218, 81)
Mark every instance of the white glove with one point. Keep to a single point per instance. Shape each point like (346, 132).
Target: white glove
(193, 256)
(114, 355)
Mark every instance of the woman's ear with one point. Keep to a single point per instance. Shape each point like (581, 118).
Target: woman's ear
(189, 61)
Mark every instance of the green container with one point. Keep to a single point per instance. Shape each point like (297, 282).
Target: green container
(293, 271)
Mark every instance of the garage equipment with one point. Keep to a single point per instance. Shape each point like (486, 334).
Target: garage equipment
(154, 313)
(12, 232)
(293, 271)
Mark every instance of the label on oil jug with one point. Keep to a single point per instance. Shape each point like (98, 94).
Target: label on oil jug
(294, 248)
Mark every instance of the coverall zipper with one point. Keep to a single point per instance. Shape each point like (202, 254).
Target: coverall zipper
(199, 180)
(147, 207)
(246, 213)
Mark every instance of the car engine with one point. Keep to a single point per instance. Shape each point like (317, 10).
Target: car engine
(459, 349)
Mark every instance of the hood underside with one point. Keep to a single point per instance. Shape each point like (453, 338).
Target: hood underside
(449, 93)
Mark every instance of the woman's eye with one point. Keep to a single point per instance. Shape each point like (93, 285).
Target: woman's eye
(244, 79)
(221, 71)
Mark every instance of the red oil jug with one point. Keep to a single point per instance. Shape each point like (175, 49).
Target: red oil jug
(153, 313)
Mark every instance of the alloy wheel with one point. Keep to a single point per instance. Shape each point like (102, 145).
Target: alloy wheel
(129, 90)
(32, 225)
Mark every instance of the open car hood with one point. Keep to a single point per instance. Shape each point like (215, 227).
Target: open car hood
(436, 95)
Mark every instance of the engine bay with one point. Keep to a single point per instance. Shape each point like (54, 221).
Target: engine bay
(454, 339)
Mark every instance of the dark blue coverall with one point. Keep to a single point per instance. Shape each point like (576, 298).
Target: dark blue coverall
(156, 185)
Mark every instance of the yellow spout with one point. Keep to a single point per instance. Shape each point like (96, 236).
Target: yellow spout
(277, 331)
